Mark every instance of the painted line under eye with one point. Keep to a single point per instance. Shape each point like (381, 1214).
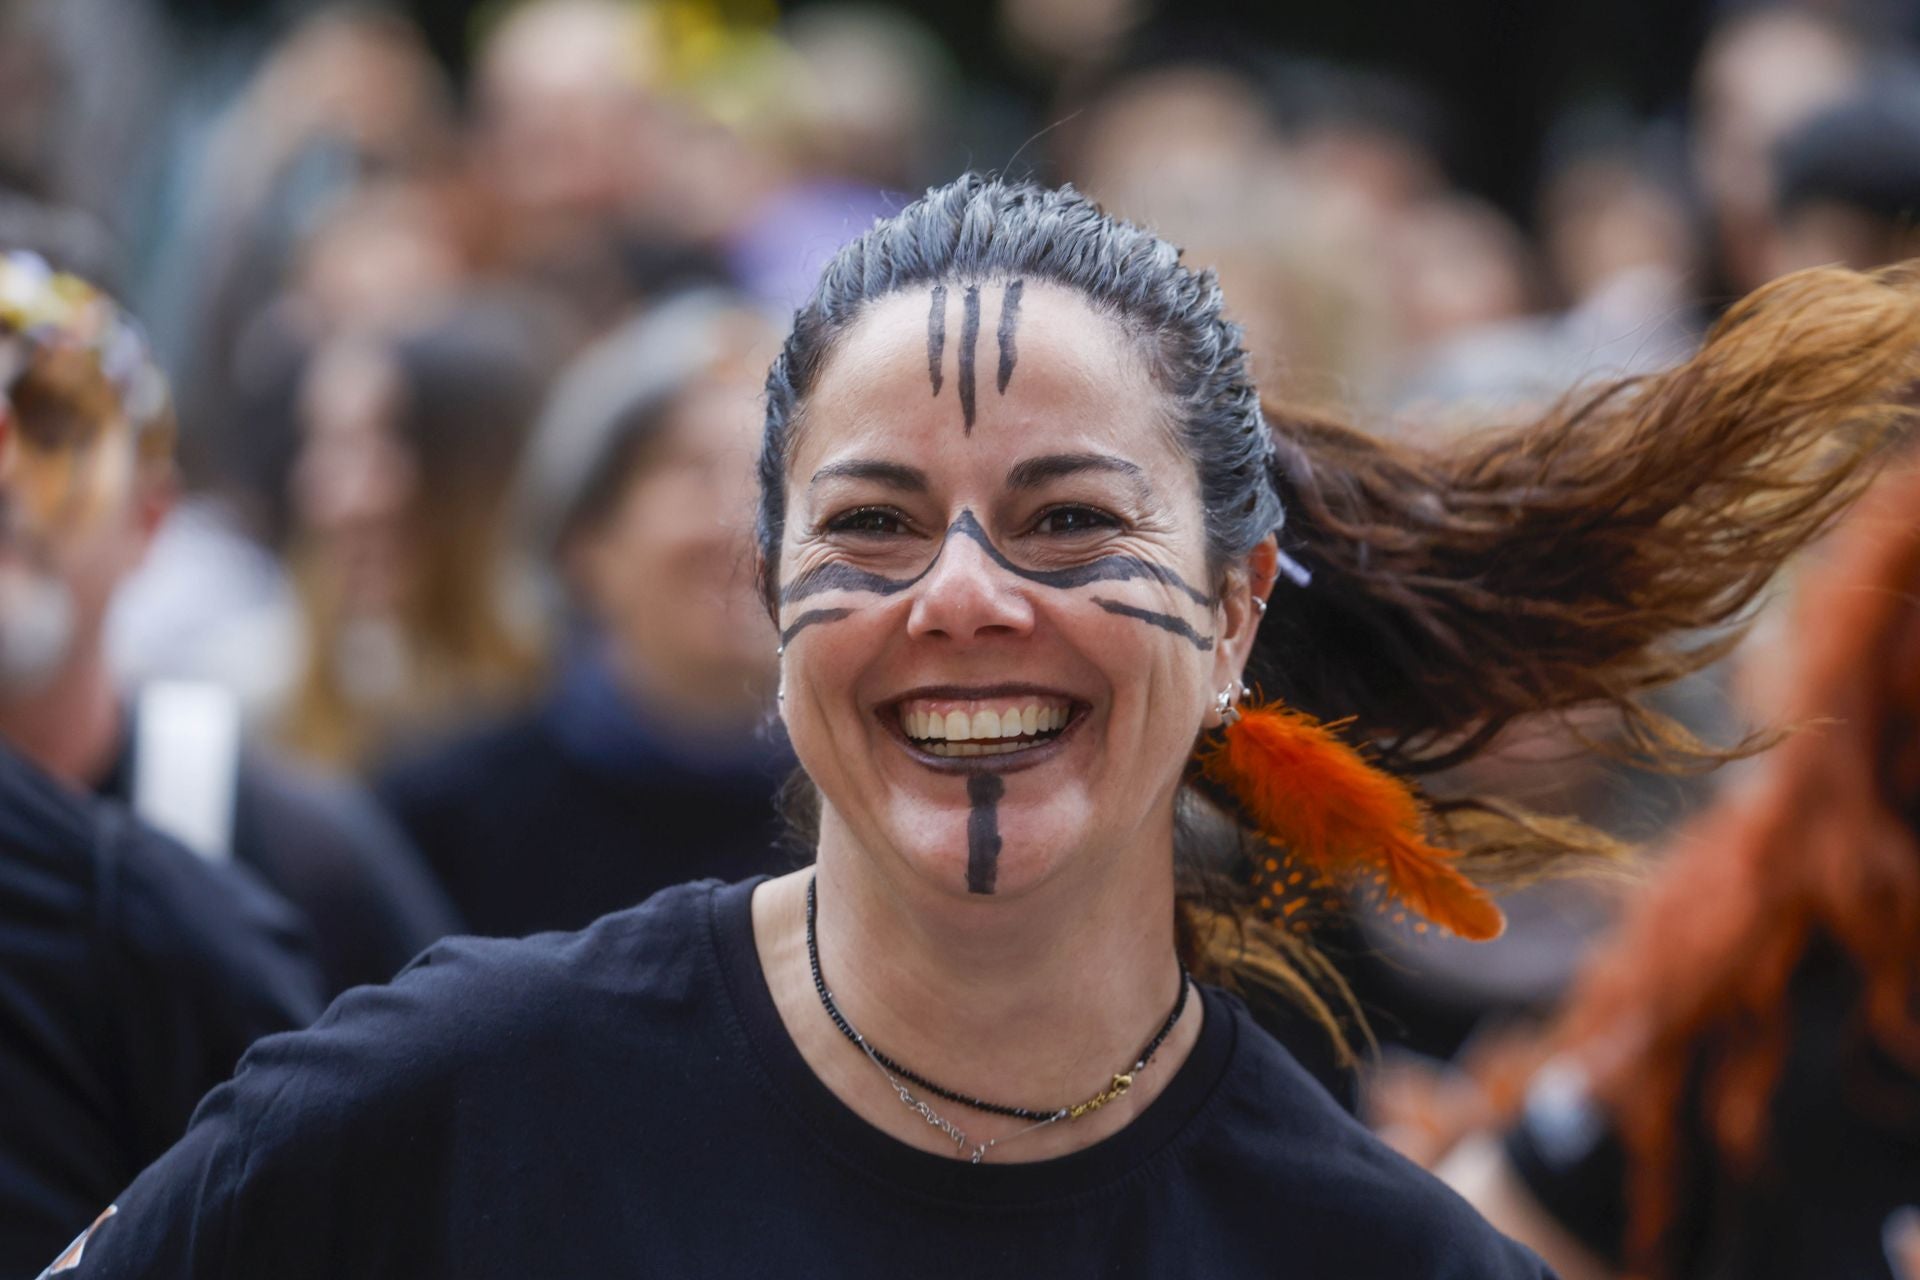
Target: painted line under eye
(1164, 621)
(810, 618)
(1117, 567)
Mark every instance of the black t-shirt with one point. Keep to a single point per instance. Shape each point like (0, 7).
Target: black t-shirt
(1842, 1152)
(132, 977)
(625, 1101)
(329, 850)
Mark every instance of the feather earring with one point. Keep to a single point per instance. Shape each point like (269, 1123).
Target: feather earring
(1318, 797)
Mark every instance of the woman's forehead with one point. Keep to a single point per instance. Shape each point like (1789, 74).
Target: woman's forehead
(985, 370)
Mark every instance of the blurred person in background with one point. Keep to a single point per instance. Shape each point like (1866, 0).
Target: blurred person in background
(349, 94)
(214, 602)
(1764, 71)
(1193, 147)
(414, 614)
(650, 761)
(324, 196)
(134, 973)
(562, 109)
(174, 752)
(859, 114)
(1847, 182)
(1737, 1091)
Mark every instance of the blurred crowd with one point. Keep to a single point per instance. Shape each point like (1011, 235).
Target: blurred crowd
(435, 607)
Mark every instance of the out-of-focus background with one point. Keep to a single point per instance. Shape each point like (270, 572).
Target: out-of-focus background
(1430, 215)
(465, 308)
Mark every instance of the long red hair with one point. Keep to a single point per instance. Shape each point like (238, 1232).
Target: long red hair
(1819, 845)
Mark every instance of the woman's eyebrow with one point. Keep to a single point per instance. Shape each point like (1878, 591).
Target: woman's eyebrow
(1034, 472)
(894, 475)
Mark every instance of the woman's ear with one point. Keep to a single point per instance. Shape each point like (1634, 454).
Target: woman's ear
(1243, 603)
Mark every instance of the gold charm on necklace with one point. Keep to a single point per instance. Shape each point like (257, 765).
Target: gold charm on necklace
(1111, 1093)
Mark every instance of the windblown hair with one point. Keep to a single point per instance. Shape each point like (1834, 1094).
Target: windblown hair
(1689, 1006)
(1579, 561)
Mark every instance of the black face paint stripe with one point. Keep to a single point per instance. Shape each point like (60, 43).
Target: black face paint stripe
(1110, 568)
(810, 618)
(1165, 621)
(983, 830)
(969, 339)
(1009, 323)
(937, 336)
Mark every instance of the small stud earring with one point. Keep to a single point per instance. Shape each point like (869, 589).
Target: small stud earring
(780, 650)
(1261, 605)
(1223, 702)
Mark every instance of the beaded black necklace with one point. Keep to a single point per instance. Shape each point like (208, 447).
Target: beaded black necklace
(1120, 1083)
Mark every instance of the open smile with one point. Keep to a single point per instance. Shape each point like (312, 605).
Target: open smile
(1012, 726)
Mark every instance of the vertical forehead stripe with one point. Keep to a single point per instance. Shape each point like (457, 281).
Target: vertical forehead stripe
(1009, 324)
(937, 336)
(969, 339)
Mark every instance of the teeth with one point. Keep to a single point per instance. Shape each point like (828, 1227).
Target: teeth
(986, 731)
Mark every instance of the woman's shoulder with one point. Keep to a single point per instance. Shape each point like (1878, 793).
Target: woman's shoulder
(468, 1003)
(1293, 1144)
(370, 1116)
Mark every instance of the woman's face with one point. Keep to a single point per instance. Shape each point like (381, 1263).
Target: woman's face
(1001, 631)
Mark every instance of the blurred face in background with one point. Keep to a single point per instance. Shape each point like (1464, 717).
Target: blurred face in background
(354, 481)
(667, 571)
(562, 88)
(1759, 77)
(75, 520)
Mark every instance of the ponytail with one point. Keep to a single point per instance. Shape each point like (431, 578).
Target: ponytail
(1583, 560)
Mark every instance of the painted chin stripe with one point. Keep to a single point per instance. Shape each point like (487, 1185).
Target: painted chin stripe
(1009, 325)
(937, 336)
(1165, 621)
(810, 618)
(969, 339)
(983, 830)
(1112, 568)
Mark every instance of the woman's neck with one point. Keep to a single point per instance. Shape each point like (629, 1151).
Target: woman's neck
(1036, 1002)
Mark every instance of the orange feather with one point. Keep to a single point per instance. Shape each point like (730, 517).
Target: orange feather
(1314, 794)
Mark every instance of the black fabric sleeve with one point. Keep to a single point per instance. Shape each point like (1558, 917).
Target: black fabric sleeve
(327, 1153)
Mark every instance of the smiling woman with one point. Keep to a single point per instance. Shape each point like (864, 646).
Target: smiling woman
(985, 1031)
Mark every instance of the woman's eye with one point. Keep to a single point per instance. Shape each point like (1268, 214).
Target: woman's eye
(1073, 520)
(866, 520)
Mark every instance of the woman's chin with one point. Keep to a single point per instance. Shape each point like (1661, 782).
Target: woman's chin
(987, 851)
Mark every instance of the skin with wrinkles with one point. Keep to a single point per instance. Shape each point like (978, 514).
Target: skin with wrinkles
(1108, 568)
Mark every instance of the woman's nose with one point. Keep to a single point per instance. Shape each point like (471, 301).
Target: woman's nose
(966, 596)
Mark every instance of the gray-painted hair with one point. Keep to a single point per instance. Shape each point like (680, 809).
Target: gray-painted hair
(977, 229)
